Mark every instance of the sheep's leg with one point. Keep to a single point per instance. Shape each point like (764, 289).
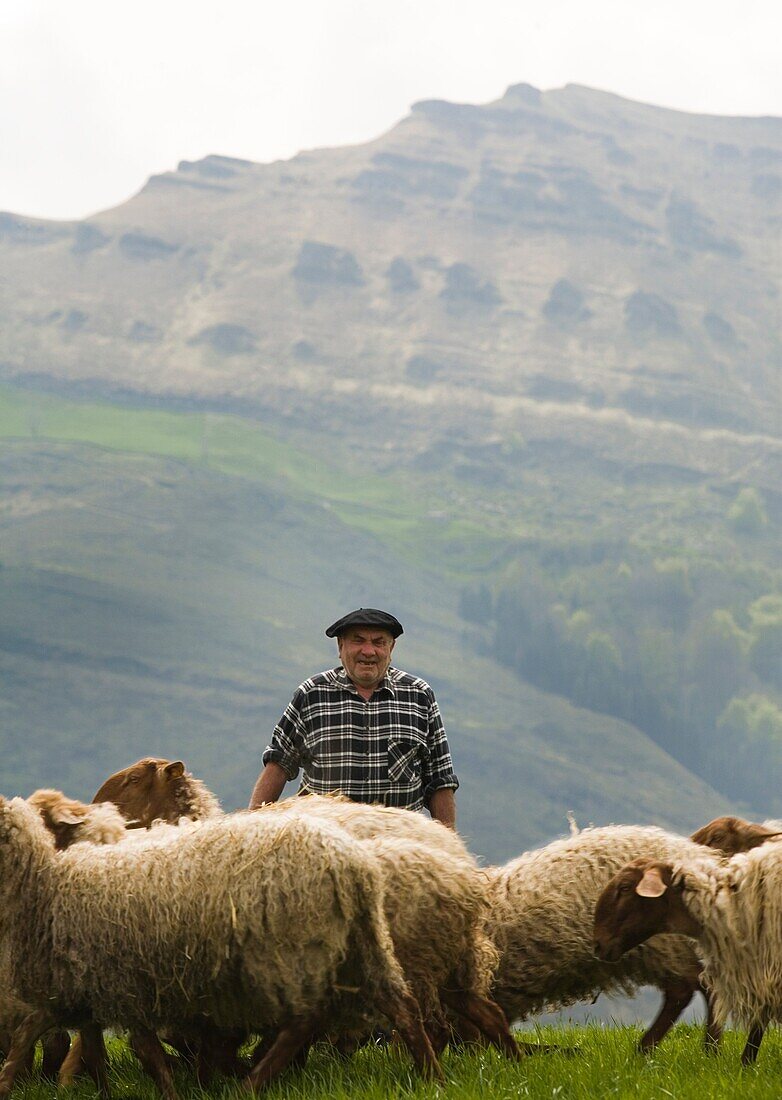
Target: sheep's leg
(263, 1046)
(23, 1040)
(403, 1011)
(439, 1034)
(27, 1063)
(488, 1017)
(464, 1033)
(55, 1050)
(73, 1063)
(288, 1043)
(146, 1046)
(675, 1000)
(713, 1032)
(94, 1056)
(218, 1052)
(754, 1039)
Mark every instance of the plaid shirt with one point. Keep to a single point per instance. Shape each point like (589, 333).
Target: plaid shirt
(390, 749)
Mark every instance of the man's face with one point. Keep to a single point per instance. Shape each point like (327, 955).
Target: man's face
(365, 652)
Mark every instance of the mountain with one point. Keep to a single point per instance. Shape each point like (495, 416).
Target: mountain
(530, 343)
(565, 248)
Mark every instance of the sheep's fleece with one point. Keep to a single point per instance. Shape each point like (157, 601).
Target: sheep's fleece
(738, 903)
(434, 893)
(542, 908)
(251, 919)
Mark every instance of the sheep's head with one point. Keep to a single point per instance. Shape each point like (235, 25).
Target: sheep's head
(643, 899)
(69, 821)
(731, 835)
(63, 817)
(152, 789)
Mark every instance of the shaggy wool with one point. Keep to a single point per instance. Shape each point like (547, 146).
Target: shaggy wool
(542, 908)
(434, 893)
(249, 919)
(739, 906)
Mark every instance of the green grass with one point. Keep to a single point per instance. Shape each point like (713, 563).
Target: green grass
(392, 509)
(226, 443)
(594, 1062)
(422, 515)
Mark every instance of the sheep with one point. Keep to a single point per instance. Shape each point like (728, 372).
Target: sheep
(154, 789)
(731, 835)
(72, 822)
(732, 908)
(541, 913)
(250, 920)
(431, 882)
(69, 822)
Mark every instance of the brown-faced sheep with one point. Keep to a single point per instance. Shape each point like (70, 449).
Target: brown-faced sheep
(732, 908)
(541, 915)
(256, 921)
(731, 835)
(154, 789)
(72, 822)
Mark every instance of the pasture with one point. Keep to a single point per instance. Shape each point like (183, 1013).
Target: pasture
(594, 1062)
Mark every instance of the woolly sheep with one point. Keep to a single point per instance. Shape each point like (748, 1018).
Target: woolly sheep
(69, 822)
(734, 910)
(255, 921)
(731, 835)
(435, 905)
(155, 789)
(541, 915)
(72, 822)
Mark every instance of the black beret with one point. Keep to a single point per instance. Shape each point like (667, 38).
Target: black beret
(366, 616)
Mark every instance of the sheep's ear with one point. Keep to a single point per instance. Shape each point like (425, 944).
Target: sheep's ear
(754, 835)
(651, 885)
(175, 769)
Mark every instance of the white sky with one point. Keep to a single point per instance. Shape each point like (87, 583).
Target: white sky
(96, 95)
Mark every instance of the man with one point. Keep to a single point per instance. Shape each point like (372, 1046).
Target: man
(364, 729)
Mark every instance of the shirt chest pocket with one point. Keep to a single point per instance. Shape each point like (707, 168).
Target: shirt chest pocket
(406, 754)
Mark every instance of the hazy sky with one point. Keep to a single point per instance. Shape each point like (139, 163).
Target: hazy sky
(96, 95)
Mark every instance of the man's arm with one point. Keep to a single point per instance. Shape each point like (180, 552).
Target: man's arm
(269, 786)
(281, 757)
(438, 776)
(442, 806)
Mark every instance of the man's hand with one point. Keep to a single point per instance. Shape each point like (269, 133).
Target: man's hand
(269, 787)
(442, 807)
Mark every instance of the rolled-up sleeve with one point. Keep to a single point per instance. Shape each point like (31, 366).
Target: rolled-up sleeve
(288, 739)
(437, 770)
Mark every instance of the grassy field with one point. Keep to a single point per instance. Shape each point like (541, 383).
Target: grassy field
(403, 513)
(594, 1062)
(470, 512)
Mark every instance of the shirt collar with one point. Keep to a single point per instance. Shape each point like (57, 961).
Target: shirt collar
(386, 684)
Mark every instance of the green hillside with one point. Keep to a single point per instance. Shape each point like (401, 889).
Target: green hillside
(162, 595)
(512, 370)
